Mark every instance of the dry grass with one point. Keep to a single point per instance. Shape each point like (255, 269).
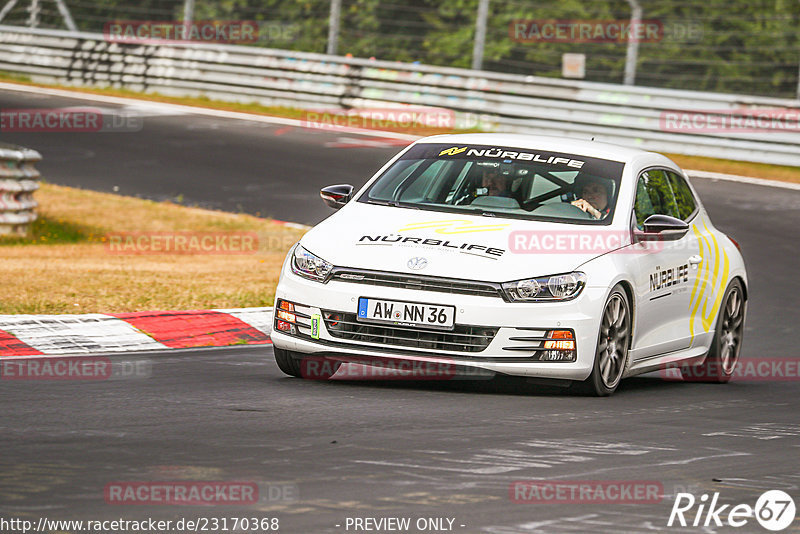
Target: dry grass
(67, 265)
(741, 168)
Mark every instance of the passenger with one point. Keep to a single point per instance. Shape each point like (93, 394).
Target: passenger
(593, 198)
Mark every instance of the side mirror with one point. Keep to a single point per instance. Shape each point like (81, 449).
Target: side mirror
(662, 228)
(336, 196)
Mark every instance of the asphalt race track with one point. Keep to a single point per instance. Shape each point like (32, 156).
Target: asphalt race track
(232, 165)
(356, 449)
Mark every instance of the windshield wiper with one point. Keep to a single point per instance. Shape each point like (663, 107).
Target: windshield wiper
(480, 211)
(392, 203)
(382, 202)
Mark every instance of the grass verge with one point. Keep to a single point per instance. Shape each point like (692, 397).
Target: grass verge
(742, 168)
(69, 265)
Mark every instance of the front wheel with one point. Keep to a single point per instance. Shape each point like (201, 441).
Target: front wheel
(305, 366)
(286, 362)
(723, 355)
(613, 341)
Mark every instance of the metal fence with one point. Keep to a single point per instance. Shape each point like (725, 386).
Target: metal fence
(683, 122)
(729, 46)
(18, 181)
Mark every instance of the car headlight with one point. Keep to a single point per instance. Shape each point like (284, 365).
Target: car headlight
(558, 287)
(310, 266)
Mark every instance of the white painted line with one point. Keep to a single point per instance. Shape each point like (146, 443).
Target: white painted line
(298, 226)
(183, 109)
(378, 141)
(77, 334)
(742, 179)
(288, 224)
(258, 318)
(174, 352)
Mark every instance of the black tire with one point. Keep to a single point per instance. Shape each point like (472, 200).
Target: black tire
(305, 366)
(722, 357)
(287, 362)
(613, 343)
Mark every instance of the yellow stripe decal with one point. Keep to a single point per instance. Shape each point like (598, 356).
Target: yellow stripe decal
(713, 284)
(697, 280)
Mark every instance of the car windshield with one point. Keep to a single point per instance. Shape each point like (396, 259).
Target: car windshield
(501, 182)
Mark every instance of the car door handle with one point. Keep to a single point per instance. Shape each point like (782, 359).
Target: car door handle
(695, 260)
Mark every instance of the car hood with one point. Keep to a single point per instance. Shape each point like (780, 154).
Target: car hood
(385, 238)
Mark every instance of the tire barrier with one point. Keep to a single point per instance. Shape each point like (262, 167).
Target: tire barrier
(18, 181)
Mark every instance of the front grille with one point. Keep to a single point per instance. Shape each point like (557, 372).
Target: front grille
(463, 338)
(422, 283)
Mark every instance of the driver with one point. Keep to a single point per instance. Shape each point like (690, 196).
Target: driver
(593, 198)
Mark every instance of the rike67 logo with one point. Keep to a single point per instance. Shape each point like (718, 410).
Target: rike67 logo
(774, 510)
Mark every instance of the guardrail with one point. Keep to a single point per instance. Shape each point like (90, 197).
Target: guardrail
(628, 115)
(18, 181)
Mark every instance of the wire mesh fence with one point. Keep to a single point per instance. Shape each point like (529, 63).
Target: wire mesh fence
(729, 46)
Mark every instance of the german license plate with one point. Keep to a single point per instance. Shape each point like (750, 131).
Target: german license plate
(406, 313)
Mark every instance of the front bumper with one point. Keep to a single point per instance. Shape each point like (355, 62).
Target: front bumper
(508, 321)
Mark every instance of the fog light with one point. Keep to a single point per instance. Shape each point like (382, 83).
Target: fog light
(563, 344)
(564, 339)
(286, 316)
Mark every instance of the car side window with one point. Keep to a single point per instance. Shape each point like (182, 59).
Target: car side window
(653, 196)
(643, 208)
(683, 195)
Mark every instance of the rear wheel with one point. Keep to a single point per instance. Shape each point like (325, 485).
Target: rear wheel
(613, 341)
(723, 355)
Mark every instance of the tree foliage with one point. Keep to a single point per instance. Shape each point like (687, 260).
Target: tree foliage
(739, 46)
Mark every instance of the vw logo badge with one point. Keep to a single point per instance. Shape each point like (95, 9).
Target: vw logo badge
(417, 263)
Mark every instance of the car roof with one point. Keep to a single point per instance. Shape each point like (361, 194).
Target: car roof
(551, 143)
